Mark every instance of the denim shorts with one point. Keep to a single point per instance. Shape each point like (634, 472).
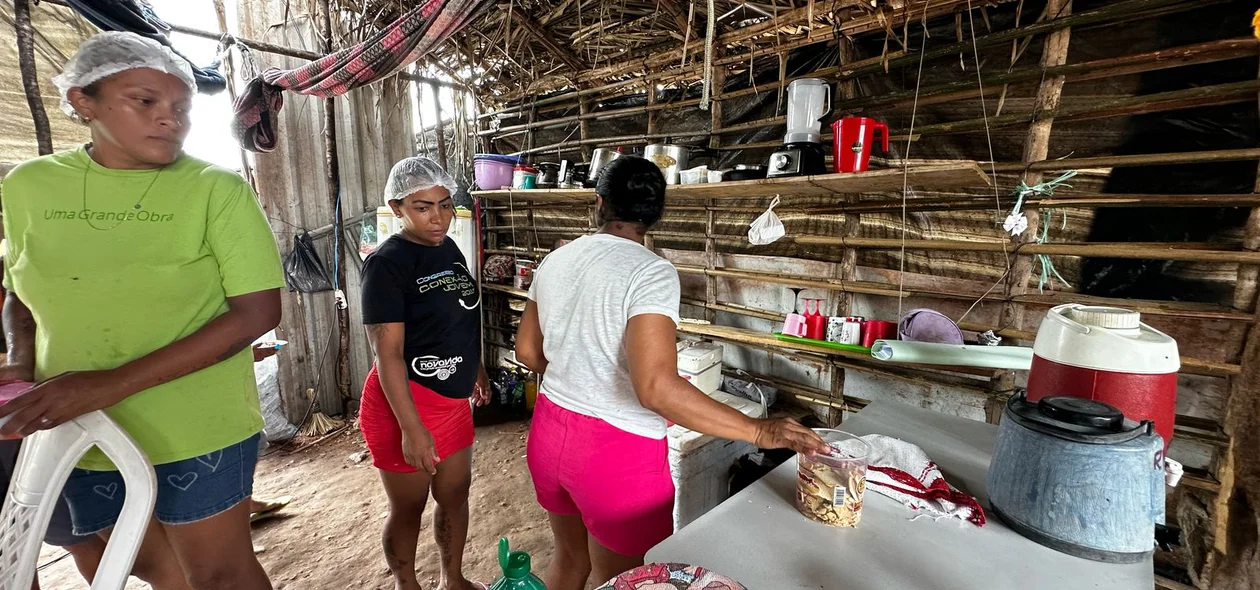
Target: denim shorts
(187, 491)
(60, 531)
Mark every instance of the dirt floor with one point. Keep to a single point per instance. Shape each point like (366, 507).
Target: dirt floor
(328, 537)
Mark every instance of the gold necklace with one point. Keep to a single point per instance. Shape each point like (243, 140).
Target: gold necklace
(87, 215)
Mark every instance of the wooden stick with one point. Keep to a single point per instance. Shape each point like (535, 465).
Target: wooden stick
(1238, 501)
(1127, 161)
(30, 78)
(1132, 105)
(541, 35)
(438, 127)
(334, 195)
(1036, 147)
(1191, 252)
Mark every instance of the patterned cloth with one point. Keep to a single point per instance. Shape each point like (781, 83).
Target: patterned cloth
(393, 48)
(671, 576)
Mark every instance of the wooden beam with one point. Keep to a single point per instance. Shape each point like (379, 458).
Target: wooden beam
(329, 404)
(1036, 148)
(679, 14)
(439, 128)
(541, 35)
(30, 78)
(1061, 164)
(1237, 547)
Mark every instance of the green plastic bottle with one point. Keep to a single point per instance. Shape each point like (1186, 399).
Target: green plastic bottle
(516, 575)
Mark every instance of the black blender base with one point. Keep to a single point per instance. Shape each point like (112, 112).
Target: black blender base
(800, 158)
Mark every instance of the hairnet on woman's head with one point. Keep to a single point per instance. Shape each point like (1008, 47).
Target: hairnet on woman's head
(416, 174)
(112, 52)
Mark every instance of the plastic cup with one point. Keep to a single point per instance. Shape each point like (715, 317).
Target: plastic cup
(830, 486)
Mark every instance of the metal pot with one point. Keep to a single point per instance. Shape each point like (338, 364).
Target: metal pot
(1075, 475)
(670, 158)
(548, 174)
(600, 158)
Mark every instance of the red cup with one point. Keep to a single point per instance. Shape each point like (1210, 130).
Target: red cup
(852, 140)
(873, 330)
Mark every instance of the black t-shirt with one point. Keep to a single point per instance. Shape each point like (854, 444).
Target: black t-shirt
(431, 290)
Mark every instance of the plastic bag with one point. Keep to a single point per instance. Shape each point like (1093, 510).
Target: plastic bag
(303, 270)
(767, 228)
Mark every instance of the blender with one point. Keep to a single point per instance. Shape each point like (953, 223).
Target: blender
(809, 100)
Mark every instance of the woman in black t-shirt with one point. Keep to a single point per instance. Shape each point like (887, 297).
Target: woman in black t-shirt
(422, 310)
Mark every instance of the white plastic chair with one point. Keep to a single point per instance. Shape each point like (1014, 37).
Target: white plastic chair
(43, 466)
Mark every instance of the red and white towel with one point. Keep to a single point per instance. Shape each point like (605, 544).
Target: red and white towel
(903, 472)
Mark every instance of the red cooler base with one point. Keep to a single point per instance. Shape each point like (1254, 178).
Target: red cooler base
(1139, 397)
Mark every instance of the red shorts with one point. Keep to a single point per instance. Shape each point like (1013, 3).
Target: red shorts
(449, 420)
(618, 482)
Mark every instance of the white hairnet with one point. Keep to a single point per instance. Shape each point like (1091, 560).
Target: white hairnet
(108, 53)
(416, 174)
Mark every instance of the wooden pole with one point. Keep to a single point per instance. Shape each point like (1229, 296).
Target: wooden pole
(584, 130)
(1036, 148)
(30, 78)
(229, 70)
(1237, 548)
(334, 196)
(439, 127)
(846, 270)
(712, 258)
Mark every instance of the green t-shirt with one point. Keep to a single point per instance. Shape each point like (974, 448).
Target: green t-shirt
(108, 282)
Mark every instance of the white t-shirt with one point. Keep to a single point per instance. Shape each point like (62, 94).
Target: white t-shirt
(586, 291)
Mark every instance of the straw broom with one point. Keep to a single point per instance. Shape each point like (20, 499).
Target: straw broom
(319, 424)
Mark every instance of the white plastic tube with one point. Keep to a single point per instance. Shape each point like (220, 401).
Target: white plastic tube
(962, 355)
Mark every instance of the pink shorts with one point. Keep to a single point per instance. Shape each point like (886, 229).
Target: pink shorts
(619, 483)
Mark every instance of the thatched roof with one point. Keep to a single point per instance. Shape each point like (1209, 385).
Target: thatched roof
(525, 48)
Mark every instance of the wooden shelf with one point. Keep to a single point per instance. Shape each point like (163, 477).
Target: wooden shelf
(961, 174)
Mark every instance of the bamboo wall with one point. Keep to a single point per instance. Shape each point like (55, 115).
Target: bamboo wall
(372, 131)
(1063, 88)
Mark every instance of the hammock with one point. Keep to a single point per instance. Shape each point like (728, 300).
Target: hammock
(389, 51)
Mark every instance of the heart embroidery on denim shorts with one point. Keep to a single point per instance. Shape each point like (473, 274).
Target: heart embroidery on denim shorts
(183, 482)
(211, 460)
(107, 491)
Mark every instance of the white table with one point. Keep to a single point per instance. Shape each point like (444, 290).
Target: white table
(758, 538)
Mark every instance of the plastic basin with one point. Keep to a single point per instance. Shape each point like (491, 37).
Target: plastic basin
(493, 173)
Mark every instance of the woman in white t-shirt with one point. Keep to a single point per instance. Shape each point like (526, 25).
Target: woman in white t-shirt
(600, 329)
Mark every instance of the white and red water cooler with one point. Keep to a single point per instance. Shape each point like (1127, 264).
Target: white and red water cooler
(1107, 354)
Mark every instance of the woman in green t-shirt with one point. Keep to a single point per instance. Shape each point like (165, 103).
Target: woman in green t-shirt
(137, 278)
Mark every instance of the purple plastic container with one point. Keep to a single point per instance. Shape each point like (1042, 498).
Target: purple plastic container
(493, 171)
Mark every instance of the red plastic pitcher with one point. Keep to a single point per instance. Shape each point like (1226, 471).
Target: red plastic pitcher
(853, 138)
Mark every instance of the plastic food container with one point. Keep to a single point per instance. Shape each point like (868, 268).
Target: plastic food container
(493, 171)
(830, 486)
(697, 175)
(524, 177)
